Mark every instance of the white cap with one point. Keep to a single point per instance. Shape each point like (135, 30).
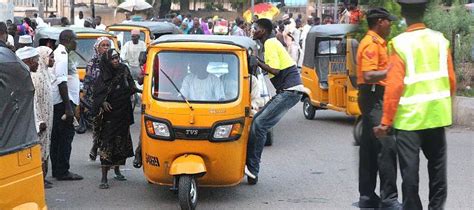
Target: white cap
(25, 39)
(26, 52)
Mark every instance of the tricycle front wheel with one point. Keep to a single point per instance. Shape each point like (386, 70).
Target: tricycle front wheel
(187, 192)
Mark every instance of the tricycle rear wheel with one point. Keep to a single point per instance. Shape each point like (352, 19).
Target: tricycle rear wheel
(308, 109)
(187, 192)
(357, 131)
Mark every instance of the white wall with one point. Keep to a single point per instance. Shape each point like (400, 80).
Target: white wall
(6, 10)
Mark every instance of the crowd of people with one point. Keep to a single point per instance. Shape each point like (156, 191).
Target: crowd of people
(108, 83)
(389, 91)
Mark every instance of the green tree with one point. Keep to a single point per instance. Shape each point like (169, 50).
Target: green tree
(456, 23)
(184, 6)
(394, 9)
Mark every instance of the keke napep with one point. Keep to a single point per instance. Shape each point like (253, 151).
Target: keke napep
(20, 150)
(196, 134)
(149, 30)
(329, 71)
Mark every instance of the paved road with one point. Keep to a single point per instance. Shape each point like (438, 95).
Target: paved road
(312, 165)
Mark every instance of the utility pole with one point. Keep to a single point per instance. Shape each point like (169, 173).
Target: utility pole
(320, 9)
(93, 8)
(71, 2)
(252, 6)
(41, 9)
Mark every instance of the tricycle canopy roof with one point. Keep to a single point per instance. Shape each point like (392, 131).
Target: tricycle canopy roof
(53, 32)
(324, 31)
(239, 41)
(17, 124)
(154, 27)
(332, 30)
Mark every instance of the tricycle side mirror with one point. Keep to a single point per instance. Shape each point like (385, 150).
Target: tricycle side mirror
(142, 58)
(119, 45)
(253, 64)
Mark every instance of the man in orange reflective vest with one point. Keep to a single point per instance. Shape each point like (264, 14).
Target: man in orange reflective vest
(417, 104)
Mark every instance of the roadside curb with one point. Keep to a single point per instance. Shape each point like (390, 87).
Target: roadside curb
(463, 111)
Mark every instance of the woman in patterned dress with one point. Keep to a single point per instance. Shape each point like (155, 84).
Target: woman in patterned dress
(112, 91)
(92, 73)
(44, 102)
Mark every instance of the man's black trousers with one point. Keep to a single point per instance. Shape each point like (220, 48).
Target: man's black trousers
(61, 139)
(376, 155)
(433, 144)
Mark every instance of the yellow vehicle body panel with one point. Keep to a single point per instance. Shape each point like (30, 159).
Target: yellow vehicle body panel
(341, 95)
(21, 180)
(224, 161)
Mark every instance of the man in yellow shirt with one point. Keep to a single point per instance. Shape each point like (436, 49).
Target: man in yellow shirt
(287, 81)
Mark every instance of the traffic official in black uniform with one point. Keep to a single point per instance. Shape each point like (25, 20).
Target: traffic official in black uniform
(376, 155)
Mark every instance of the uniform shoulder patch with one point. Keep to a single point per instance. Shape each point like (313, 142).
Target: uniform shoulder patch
(374, 39)
(370, 54)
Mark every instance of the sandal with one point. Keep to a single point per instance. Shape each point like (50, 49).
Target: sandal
(104, 186)
(92, 156)
(137, 163)
(120, 177)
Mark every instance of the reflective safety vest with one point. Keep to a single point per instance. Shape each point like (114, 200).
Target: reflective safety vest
(426, 99)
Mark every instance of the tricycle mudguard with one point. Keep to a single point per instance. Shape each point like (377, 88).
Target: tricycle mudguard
(188, 164)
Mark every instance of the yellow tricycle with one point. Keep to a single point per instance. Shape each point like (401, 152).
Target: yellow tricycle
(196, 112)
(329, 72)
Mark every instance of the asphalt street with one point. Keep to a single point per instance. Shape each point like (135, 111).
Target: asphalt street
(312, 165)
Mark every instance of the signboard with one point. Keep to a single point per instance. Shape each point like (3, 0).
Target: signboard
(6, 11)
(291, 3)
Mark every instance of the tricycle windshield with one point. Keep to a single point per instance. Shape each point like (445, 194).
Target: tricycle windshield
(201, 77)
(125, 36)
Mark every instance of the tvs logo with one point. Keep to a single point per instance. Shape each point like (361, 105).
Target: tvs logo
(192, 132)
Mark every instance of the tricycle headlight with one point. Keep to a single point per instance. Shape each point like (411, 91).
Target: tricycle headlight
(227, 131)
(157, 129)
(222, 131)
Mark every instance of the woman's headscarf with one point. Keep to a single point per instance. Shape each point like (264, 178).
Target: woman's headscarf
(97, 44)
(92, 66)
(44, 53)
(108, 71)
(92, 72)
(205, 28)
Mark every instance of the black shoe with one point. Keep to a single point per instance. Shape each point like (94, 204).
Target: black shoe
(391, 206)
(324, 85)
(252, 181)
(137, 162)
(70, 177)
(372, 202)
(92, 156)
(47, 184)
(251, 178)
